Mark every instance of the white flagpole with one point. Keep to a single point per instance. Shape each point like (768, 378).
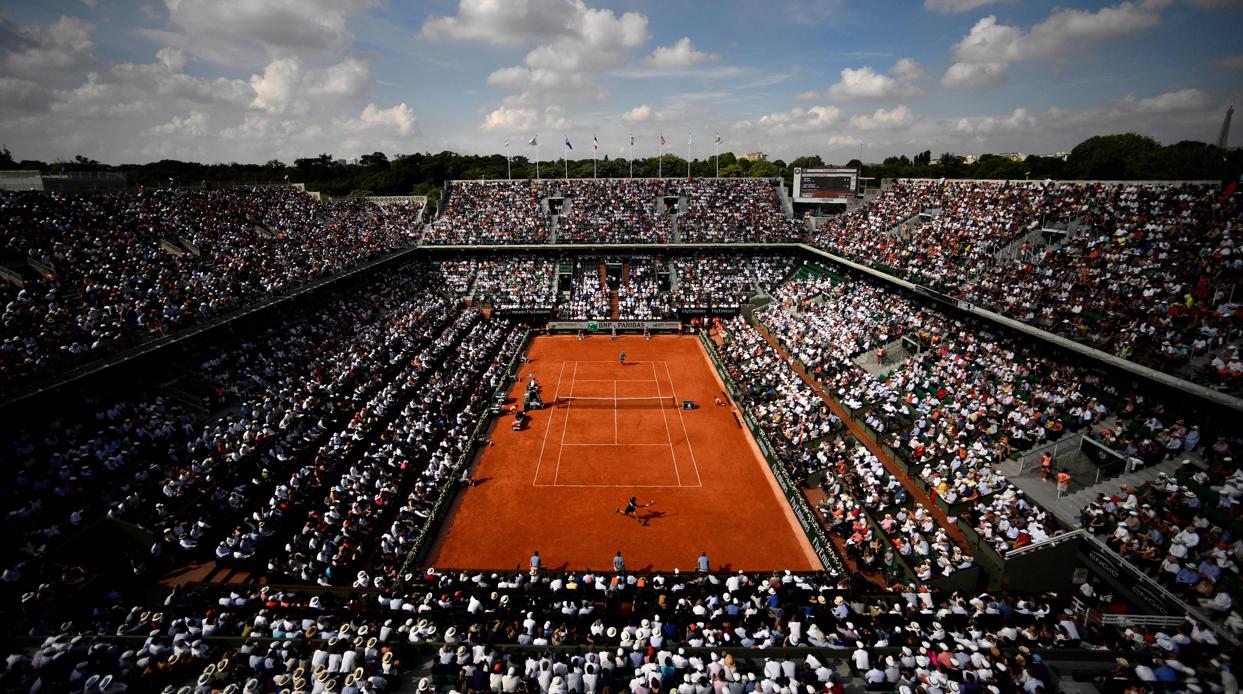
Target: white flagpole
(565, 156)
(717, 143)
(632, 156)
(660, 160)
(594, 149)
(688, 156)
(509, 169)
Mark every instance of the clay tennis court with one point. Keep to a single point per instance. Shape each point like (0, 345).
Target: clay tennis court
(610, 431)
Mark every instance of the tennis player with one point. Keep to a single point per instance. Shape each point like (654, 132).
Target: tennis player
(632, 509)
(621, 356)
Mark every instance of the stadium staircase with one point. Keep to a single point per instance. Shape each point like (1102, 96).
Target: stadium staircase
(914, 221)
(1067, 508)
(786, 203)
(614, 310)
(553, 223)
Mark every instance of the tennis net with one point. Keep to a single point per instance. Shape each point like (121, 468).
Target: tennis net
(605, 403)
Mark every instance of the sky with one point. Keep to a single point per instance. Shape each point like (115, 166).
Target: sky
(133, 81)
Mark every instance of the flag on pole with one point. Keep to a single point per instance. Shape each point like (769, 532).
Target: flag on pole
(595, 143)
(662, 139)
(507, 142)
(632, 140)
(717, 141)
(533, 141)
(567, 143)
(688, 138)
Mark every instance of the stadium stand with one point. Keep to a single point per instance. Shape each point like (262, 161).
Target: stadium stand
(1143, 271)
(262, 524)
(491, 212)
(101, 272)
(614, 211)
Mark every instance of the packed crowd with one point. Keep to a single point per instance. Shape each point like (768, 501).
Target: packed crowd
(1143, 271)
(880, 526)
(964, 399)
(1183, 530)
(492, 212)
(732, 210)
(793, 416)
(518, 282)
(638, 291)
(634, 287)
(621, 210)
(725, 282)
(709, 210)
(302, 461)
(590, 295)
(114, 270)
(594, 632)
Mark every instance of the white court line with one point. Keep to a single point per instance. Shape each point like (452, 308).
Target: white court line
(616, 445)
(685, 432)
(668, 436)
(557, 472)
(540, 460)
(614, 413)
(611, 361)
(617, 380)
(613, 486)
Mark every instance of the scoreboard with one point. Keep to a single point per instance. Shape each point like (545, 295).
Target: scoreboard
(825, 185)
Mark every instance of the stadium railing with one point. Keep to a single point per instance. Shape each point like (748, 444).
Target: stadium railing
(806, 516)
(444, 500)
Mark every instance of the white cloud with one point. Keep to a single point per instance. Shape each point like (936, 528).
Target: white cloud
(680, 55)
(504, 22)
(18, 95)
(1016, 121)
(638, 114)
(955, 6)
(246, 32)
(575, 44)
(866, 83)
(192, 125)
(801, 120)
(285, 87)
(511, 119)
(276, 90)
(978, 74)
(893, 119)
(349, 79)
(400, 118)
(1169, 102)
(984, 54)
(63, 48)
(844, 141)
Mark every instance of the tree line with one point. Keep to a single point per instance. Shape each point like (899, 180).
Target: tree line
(1107, 157)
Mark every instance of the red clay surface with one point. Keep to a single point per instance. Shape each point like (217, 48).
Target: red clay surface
(554, 487)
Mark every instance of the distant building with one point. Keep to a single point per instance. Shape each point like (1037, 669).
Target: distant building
(21, 180)
(1014, 156)
(754, 156)
(969, 159)
(64, 183)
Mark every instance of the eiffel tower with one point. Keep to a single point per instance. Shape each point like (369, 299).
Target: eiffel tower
(1224, 137)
